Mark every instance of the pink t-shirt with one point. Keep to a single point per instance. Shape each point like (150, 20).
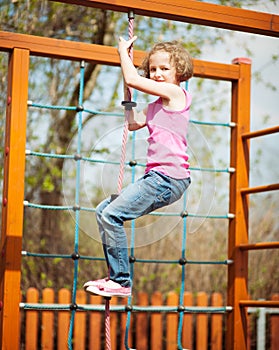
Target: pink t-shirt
(167, 141)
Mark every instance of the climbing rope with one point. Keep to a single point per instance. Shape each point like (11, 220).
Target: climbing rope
(127, 105)
(107, 324)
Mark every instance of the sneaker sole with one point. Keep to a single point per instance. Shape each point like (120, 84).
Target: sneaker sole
(94, 283)
(96, 291)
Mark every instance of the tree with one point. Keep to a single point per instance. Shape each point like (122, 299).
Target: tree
(56, 83)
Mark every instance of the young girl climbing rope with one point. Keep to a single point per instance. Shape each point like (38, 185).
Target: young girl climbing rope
(167, 174)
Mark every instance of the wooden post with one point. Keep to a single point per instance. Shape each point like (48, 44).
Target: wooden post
(142, 323)
(13, 195)
(216, 323)
(80, 323)
(202, 323)
(187, 333)
(274, 327)
(171, 323)
(95, 322)
(47, 341)
(64, 297)
(238, 227)
(32, 322)
(156, 332)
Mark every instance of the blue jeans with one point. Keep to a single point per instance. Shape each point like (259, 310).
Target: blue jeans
(152, 191)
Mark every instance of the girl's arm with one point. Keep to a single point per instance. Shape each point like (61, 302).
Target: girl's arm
(136, 120)
(134, 80)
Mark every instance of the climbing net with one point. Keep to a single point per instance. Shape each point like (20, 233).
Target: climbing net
(76, 209)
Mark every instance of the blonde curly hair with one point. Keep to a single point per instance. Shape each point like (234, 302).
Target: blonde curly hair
(179, 56)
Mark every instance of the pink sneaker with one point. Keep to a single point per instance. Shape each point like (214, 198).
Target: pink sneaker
(95, 283)
(109, 289)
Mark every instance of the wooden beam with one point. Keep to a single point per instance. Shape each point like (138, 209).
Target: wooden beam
(236, 335)
(195, 12)
(259, 246)
(263, 132)
(70, 50)
(258, 189)
(13, 195)
(259, 303)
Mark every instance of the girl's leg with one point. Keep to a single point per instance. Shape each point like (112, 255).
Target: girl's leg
(99, 210)
(150, 192)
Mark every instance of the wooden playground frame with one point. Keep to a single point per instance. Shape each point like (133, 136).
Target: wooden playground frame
(21, 47)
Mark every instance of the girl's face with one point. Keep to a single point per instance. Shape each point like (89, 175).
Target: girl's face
(161, 69)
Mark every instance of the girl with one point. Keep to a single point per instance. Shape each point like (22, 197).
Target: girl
(167, 174)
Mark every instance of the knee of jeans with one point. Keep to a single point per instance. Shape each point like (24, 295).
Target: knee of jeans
(110, 217)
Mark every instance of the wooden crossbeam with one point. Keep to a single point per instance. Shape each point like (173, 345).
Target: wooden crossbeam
(259, 246)
(259, 303)
(70, 50)
(195, 12)
(263, 132)
(259, 189)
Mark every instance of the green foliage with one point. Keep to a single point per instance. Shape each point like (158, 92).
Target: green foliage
(57, 82)
(48, 184)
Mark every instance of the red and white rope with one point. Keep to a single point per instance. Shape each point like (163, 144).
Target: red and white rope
(121, 173)
(125, 129)
(107, 325)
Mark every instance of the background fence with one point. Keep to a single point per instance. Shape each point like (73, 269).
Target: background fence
(149, 330)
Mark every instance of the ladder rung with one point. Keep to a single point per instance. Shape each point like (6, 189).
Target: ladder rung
(268, 131)
(259, 303)
(258, 189)
(261, 245)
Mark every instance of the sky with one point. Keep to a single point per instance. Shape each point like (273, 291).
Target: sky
(264, 151)
(262, 47)
(264, 101)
